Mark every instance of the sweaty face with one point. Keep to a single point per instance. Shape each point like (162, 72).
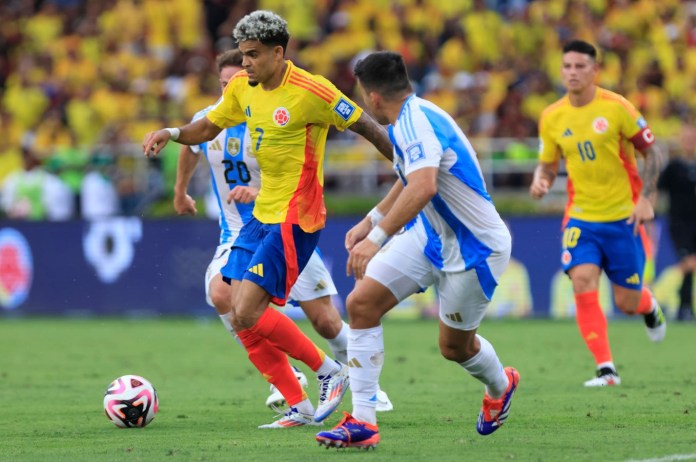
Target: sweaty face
(260, 61)
(578, 71)
(226, 74)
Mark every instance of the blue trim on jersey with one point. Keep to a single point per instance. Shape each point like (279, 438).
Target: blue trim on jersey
(410, 130)
(225, 231)
(406, 122)
(464, 168)
(486, 279)
(433, 247)
(472, 249)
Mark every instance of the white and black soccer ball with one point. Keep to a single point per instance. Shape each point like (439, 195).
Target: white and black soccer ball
(131, 401)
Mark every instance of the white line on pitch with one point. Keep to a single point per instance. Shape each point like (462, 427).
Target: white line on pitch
(667, 458)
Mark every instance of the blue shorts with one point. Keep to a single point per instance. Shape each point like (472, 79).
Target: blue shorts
(271, 256)
(610, 245)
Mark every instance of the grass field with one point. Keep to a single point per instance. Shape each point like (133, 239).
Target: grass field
(53, 374)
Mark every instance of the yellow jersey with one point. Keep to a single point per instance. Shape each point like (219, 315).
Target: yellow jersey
(597, 142)
(288, 127)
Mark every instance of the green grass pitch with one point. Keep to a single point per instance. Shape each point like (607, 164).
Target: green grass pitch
(53, 373)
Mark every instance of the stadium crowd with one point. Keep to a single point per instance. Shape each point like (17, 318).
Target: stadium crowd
(81, 82)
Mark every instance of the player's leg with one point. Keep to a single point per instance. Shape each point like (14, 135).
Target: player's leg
(624, 264)
(366, 304)
(266, 357)
(313, 291)
(683, 235)
(219, 296)
(464, 297)
(281, 253)
(392, 275)
(581, 259)
(217, 292)
(686, 294)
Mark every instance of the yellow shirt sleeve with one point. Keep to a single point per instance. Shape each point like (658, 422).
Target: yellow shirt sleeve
(548, 149)
(333, 107)
(227, 112)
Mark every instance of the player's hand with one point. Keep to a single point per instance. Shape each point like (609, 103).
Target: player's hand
(242, 194)
(154, 142)
(185, 205)
(359, 256)
(357, 233)
(642, 212)
(539, 188)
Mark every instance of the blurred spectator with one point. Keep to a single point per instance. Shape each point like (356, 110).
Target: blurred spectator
(80, 68)
(679, 181)
(98, 196)
(35, 194)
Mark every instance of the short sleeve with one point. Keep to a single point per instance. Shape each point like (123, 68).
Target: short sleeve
(227, 112)
(549, 151)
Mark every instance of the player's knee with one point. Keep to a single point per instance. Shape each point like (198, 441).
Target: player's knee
(360, 309)
(626, 305)
(221, 300)
(326, 326)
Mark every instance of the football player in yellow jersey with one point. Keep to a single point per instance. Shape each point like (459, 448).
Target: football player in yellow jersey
(288, 112)
(597, 133)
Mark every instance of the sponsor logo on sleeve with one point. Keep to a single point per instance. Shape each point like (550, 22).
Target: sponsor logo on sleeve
(642, 123)
(344, 109)
(415, 152)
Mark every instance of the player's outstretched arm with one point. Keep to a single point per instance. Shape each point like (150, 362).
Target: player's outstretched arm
(368, 127)
(197, 132)
(544, 175)
(186, 165)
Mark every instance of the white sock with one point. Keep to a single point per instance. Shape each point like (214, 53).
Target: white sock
(488, 369)
(339, 344)
(328, 367)
(305, 407)
(366, 353)
(609, 364)
(225, 318)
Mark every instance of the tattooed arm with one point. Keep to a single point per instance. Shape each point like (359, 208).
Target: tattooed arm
(652, 159)
(643, 211)
(374, 133)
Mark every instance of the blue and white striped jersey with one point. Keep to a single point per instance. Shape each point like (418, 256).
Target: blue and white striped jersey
(231, 164)
(461, 223)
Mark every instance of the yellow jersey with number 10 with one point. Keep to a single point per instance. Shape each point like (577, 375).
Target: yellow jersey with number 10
(597, 142)
(288, 127)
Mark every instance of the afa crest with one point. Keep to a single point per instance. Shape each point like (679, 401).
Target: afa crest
(233, 145)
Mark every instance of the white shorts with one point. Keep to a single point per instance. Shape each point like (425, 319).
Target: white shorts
(404, 272)
(314, 280)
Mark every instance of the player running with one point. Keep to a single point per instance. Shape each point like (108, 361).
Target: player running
(454, 239)
(288, 112)
(235, 179)
(597, 133)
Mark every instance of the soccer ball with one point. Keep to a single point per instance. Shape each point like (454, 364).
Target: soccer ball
(131, 401)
